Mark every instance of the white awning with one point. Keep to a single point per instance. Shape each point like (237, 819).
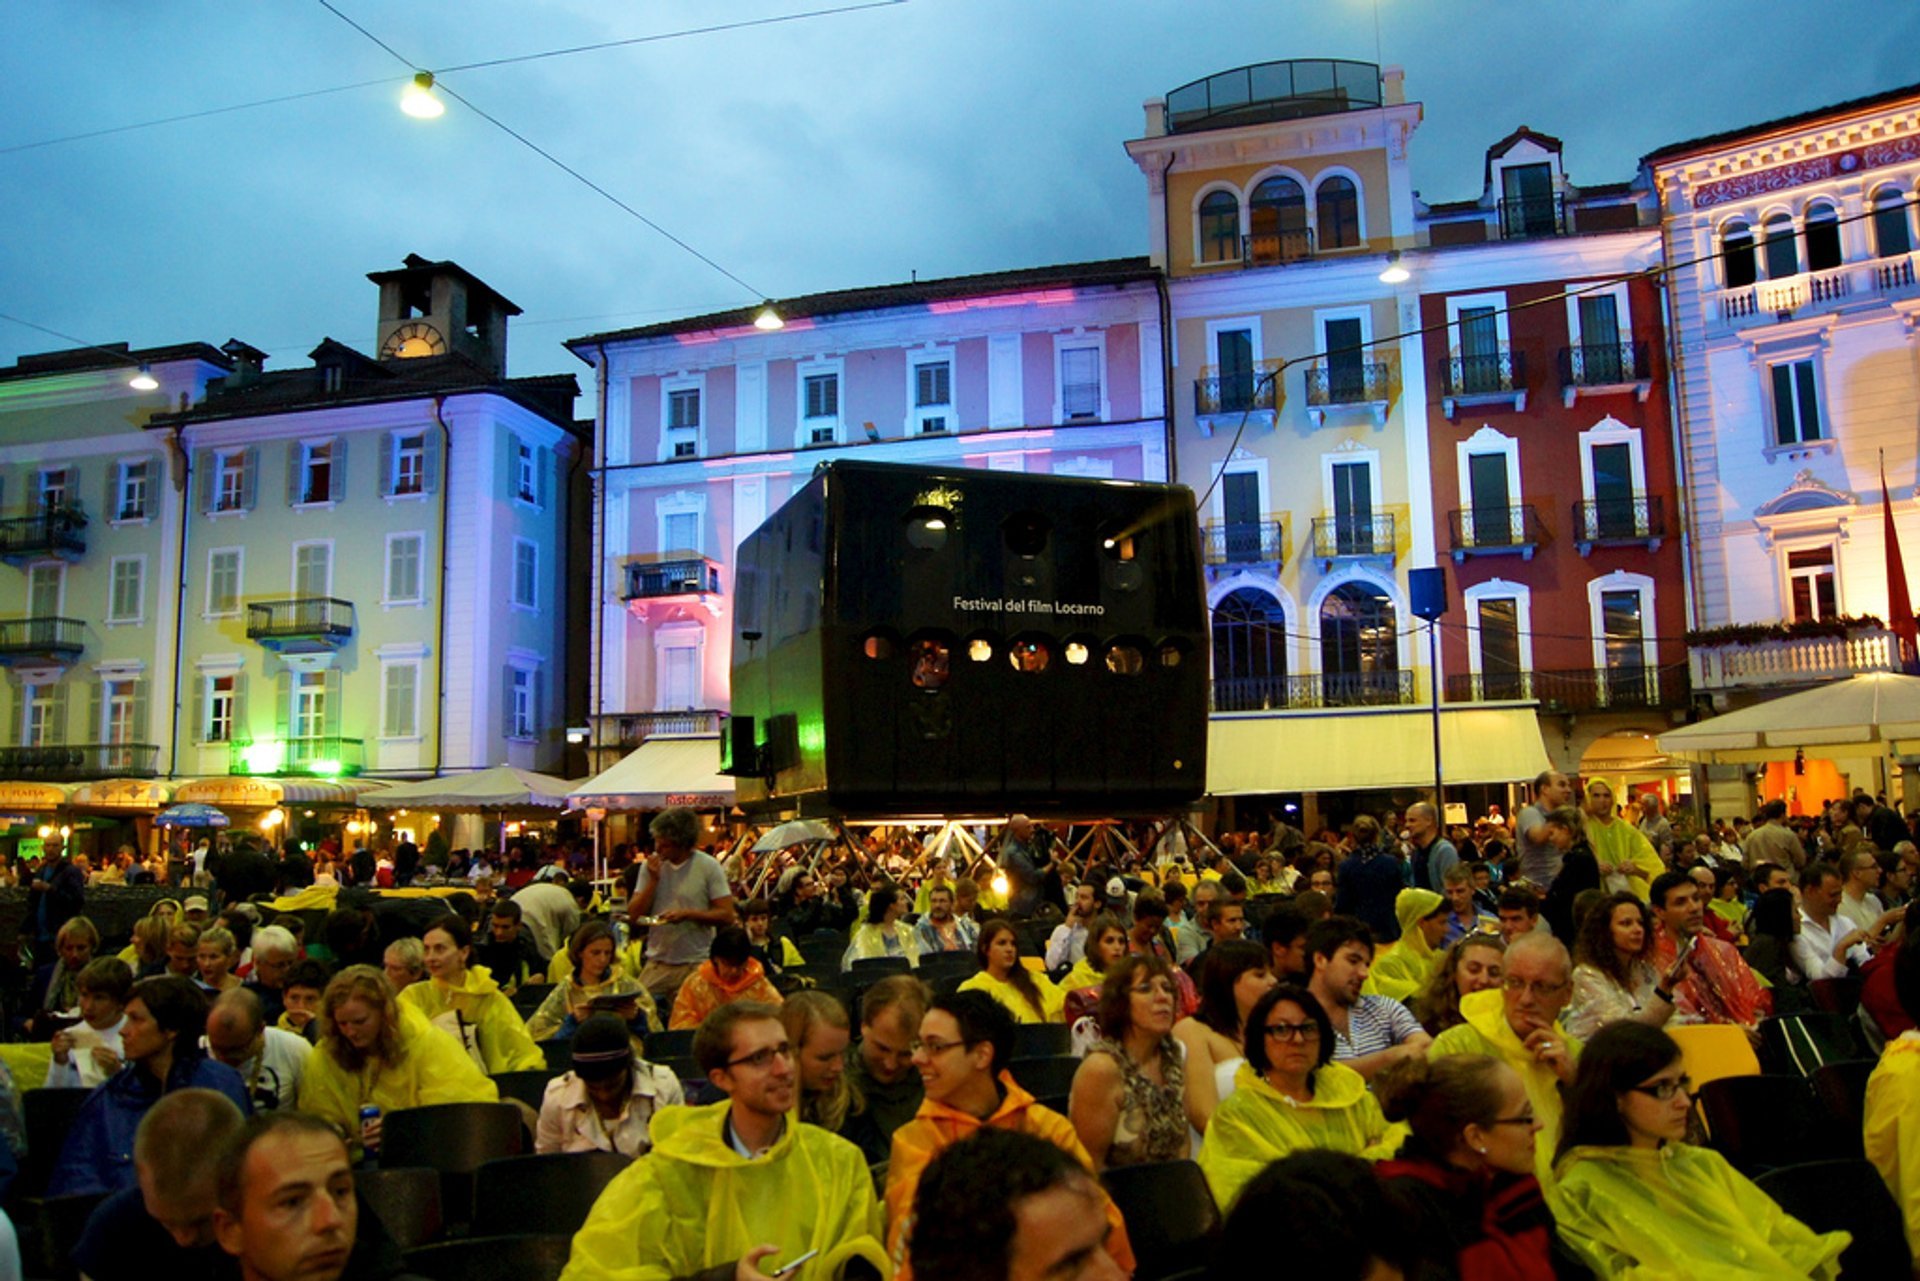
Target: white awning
(662, 771)
(501, 788)
(1875, 714)
(1353, 748)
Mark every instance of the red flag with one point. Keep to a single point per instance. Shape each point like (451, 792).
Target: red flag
(1899, 603)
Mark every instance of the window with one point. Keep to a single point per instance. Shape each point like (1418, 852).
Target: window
(1737, 263)
(1823, 238)
(403, 568)
(1622, 631)
(1344, 339)
(315, 473)
(932, 396)
(46, 584)
(223, 581)
(520, 705)
(1359, 648)
(124, 592)
(309, 710)
(1527, 206)
(820, 394)
(1233, 365)
(1353, 525)
(121, 704)
(132, 503)
(332, 378)
(399, 713)
(1499, 635)
(1279, 215)
(1249, 652)
(526, 574)
(55, 486)
(221, 692)
(1080, 383)
(1811, 585)
(680, 532)
(526, 482)
(1337, 212)
(683, 422)
(1892, 225)
(1796, 403)
(41, 724)
(1782, 248)
(312, 570)
(410, 465)
(679, 684)
(230, 480)
(1220, 227)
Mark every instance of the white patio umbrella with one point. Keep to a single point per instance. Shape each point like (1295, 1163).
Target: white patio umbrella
(501, 788)
(797, 832)
(1871, 715)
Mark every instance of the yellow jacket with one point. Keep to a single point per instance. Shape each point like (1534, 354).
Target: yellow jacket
(553, 1011)
(1621, 844)
(936, 1126)
(1402, 970)
(479, 1003)
(1486, 1031)
(433, 1068)
(1053, 1002)
(1081, 976)
(694, 1203)
(1893, 1127)
(870, 941)
(1681, 1213)
(1257, 1125)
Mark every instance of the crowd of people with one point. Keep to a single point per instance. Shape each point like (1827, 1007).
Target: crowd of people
(1438, 1053)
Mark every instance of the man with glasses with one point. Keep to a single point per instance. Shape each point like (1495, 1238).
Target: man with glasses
(965, 1040)
(1519, 1024)
(735, 1185)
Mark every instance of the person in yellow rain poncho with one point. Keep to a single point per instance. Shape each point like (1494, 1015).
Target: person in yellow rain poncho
(1519, 1024)
(1404, 970)
(730, 973)
(1893, 1100)
(1633, 1200)
(1627, 859)
(595, 973)
(882, 932)
(1290, 1095)
(1028, 996)
(739, 1181)
(376, 1051)
(466, 1002)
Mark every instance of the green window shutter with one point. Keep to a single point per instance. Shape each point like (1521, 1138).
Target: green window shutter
(282, 705)
(203, 479)
(249, 477)
(294, 477)
(110, 506)
(386, 463)
(57, 713)
(543, 477)
(96, 713)
(430, 442)
(509, 465)
(506, 702)
(240, 728)
(337, 477)
(1809, 401)
(336, 698)
(1784, 432)
(140, 701)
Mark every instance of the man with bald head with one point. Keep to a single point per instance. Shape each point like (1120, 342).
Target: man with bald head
(268, 1059)
(1433, 855)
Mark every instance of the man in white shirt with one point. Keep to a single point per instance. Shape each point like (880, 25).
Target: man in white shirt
(268, 1059)
(1068, 943)
(1858, 902)
(1827, 942)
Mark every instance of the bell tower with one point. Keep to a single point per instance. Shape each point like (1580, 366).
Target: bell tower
(439, 308)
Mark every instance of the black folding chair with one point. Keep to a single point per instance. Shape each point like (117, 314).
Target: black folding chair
(1169, 1212)
(878, 967)
(1797, 1044)
(528, 1086)
(1842, 1090)
(504, 1258)
(1041, 1040)
(529, 997)
(674, 1044)
(1765, 1122)
(455, 1139)
(1831, 1195)
(559, 1055)
(552, 1193)
(48, 1115)
(407, 1199)
(1045, 1077)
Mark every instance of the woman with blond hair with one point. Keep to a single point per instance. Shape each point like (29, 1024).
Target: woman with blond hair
(596, 974)
(819, 1031)
(375, 1052)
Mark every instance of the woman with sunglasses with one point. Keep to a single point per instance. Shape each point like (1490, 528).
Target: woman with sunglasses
(1290, 1095)
(1128, 1104)
(1634, 1198)
(1464, 1182)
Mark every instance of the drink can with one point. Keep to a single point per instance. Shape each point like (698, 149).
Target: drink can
(369, 1112)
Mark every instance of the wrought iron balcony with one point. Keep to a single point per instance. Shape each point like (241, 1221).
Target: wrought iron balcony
(1348, 537)
(684, 576)
(1532, 216)
(1247, 542)
(1483, 379)
(1487, 531)
(1326, 689)
(306, 625)
(323, 756)
(1604, 367)
(1257, 388)
(1365, 384)
(41, 640)
(55, 532)
(1576, 690)
(77, 762)
(1611, 522)
(1268, 248)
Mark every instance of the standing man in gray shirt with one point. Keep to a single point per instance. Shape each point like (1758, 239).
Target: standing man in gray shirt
(1539, 857)
(687, 894)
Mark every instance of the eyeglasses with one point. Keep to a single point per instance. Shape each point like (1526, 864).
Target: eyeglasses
(1526, 1119)
(1544, 990)
(1157, 987)
(934, 1047)
(1663, 1091)
(762, 1059)
(1302, 1032)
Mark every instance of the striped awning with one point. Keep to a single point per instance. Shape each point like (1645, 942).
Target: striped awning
(240, 791)
(121, 794)
(31, 796)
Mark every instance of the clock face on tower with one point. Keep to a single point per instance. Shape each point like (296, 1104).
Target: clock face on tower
(414, 339)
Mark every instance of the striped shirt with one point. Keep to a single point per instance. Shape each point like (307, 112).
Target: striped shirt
(1375, 1023)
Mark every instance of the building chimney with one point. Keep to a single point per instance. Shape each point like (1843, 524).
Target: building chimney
(1156, 117)
(248, 361)
(1393, 86)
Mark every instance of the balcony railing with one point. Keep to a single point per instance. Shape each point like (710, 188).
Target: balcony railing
(1894, 275)
(1531, 216)
(1609, 521)
(55, 532)
(630, 729)
(1239, 391)
(76, 762)
(1249, 542)
(1801, 660)
(1265, 248)
(325, 756)
(1269, 91)
(1493, 373)
(1764, 300)
(1357, 382)
(42, 638)
(1341, 537)
(1577, 690)
(322, 620)
(690, 576)
(1326, 689)
(1596, 367)
(1494, 530)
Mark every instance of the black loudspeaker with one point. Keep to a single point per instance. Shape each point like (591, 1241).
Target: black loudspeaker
(913, 641)
(1427, 592)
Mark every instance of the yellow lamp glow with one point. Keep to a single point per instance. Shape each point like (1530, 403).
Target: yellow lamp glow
(144, 380)
(418, 99)
(1000, 884)
(768, 319)
(45, 831)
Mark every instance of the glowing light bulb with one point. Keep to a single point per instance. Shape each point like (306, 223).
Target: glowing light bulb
(418, 99)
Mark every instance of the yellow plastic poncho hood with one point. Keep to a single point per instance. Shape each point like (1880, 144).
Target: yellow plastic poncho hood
(694, 1203)
(478, 1003)
(1682, 1211)
(1486, 1031)
(1403, 970)
(1256, 1125)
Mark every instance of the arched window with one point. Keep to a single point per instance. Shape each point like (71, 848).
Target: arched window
(1736, 255)
(1359, 652)
(1782, 248)
(1219, 227)
(1823, 237)
(1249, 652)
(1336, 207)
(1279, 209)
(1892, 224)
